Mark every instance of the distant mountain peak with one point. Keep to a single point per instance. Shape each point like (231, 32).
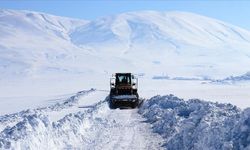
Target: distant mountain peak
(182, 27)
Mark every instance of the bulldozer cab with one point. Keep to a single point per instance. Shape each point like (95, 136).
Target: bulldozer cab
(123, 79)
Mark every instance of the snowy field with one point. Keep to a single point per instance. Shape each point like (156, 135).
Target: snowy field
(45, 60)
(33, 95)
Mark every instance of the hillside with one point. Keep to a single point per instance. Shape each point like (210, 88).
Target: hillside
(176, 43)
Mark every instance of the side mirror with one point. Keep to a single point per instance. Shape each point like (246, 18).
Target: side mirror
(112, 82)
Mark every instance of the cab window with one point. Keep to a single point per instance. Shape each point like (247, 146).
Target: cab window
(123, 79)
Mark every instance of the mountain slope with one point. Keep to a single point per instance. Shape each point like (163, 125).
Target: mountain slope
(31, 41)
(175, 28)
(176, 43)
(193, 45)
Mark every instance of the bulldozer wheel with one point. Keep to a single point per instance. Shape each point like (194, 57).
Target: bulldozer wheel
(111, 104)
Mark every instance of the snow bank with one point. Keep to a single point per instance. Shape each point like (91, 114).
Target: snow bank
(32, 128)
(36, 131)
(197, 124)
(192, 124)
(9, 119)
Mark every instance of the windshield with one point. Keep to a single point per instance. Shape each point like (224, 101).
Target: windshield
(123, 79)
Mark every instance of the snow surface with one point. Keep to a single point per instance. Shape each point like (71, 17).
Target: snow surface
(234, 79)
(197, 124)
(162, 122)
(94, 127)
(51, 55)
(45, 59)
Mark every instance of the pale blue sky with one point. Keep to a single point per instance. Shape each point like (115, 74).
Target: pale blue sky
(234, 12)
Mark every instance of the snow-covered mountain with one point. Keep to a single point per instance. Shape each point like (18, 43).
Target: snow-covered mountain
(175, 29)
(30, 41)
(150, 42)
(176, 43)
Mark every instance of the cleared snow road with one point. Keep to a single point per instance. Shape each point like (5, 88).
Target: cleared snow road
(83, 121)
(126, 130)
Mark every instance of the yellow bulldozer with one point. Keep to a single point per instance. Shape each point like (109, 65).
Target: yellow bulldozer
(124, 91)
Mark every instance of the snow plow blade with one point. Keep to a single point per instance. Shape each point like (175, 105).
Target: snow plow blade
(125, 101)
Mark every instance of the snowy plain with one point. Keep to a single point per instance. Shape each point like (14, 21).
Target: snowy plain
(69, 55)
(45, 60)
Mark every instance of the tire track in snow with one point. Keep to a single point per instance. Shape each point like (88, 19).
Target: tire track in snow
(126, 130)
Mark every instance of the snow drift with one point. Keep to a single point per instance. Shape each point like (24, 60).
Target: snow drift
(33, 129)
(37, 132)
(197, 124)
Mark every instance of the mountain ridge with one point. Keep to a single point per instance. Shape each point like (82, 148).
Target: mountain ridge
(34, 43)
